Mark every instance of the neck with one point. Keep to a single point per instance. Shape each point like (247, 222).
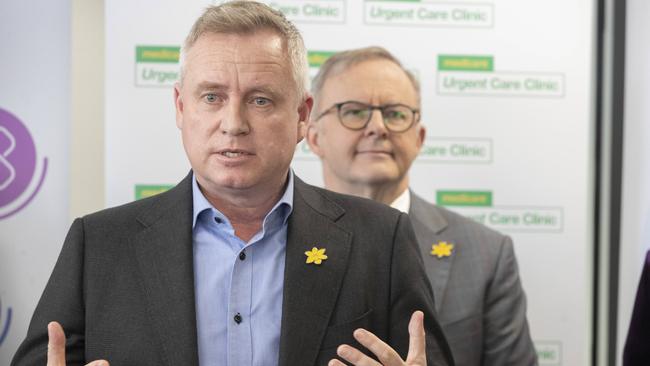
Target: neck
(245, 209)
(384, 192)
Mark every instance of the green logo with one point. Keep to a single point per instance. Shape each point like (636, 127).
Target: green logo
(456, 150)
(513, 218)
(311, 11)
(156, 65)
(464, 198)
(318, 58)
(465, 63)
(148, 190)
(475, 75)
(428, 13)
(159, 54)
(549, 353)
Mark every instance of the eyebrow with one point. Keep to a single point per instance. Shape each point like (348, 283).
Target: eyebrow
(211, 86)
(215, 86)
(266, 89)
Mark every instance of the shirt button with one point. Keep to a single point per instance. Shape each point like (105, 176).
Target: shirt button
(218, 220)
(238, 318)
(242, 255)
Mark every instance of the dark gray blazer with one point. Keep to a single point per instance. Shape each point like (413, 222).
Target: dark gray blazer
(123, 286)
(479, 299)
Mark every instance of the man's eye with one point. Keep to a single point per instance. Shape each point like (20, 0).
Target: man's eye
(394, 115)
(355, 113)
(261, 102)
(210, 98)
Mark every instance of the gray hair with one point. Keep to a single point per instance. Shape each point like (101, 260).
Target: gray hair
(342, 61)
(247, 17)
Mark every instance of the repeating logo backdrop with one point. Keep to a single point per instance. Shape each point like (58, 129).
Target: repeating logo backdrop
(507, 103)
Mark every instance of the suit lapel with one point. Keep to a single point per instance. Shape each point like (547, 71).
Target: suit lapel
(164, 253)
(429, 226)
(310, 290)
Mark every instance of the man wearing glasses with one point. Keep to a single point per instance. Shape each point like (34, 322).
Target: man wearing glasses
(366, 129)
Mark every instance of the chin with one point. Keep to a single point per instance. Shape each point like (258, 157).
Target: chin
(377, 178)
(228, 181)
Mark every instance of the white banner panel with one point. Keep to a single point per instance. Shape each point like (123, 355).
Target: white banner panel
(34, 130)
(507, 90)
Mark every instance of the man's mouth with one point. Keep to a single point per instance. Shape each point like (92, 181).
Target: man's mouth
(233, 153)
(374, 152)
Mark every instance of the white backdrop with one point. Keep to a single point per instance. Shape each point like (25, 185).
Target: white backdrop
(35, 77)
(507, 90)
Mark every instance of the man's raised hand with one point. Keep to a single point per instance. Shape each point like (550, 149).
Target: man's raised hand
(387, 356)
(56, 347)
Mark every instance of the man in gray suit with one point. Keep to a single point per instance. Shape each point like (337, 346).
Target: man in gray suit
(241, 263)
(473, 271)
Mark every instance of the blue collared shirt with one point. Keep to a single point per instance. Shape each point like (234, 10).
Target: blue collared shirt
(238, 285)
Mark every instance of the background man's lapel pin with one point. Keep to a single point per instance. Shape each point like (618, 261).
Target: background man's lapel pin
(441, 249)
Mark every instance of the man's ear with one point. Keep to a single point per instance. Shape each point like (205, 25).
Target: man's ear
(304, 112)
(178, 103)
(312, 136)
(422, 134)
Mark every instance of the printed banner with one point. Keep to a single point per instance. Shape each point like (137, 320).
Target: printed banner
(506, 101)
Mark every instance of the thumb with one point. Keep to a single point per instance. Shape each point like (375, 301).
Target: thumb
(55, 345)
(417, 340)
(98, 363)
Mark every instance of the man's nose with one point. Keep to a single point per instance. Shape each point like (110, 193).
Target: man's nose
(376, 124)
(233, 120)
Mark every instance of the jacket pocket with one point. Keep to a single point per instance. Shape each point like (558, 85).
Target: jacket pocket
(341, 333)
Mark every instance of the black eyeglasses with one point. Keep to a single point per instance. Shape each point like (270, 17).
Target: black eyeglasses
(356, 115)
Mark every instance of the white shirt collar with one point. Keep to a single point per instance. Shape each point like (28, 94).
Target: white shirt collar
(403, 201)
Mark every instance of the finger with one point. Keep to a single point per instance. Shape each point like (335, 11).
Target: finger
(98, 363)
(55, 345)
(386, 355)
(354, 356)
(417, 340)
(335, 362)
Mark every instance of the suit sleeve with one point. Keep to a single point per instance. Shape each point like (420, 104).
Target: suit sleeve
(61, 301)
(507, 340)
(410, 291)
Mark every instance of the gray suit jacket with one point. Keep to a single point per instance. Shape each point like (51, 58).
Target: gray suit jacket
(480, 302)
(123, 287)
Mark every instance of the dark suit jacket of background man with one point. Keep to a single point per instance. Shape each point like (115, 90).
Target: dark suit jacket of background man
(480, 302)
(123, 286)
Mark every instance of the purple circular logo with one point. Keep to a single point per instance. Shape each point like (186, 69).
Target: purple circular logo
(17, 165)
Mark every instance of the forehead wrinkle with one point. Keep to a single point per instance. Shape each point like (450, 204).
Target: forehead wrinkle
(259, 80)
(236, 62)
(257, 76)
(357, 83)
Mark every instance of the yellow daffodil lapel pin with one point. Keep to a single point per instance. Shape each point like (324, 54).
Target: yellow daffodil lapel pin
(315, 255)
(442, 249)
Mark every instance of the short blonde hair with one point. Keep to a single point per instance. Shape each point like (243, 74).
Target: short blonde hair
(342, 61)
(247, 17)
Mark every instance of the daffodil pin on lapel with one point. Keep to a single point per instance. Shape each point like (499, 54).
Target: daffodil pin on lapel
(315, 255)
(442, 249)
